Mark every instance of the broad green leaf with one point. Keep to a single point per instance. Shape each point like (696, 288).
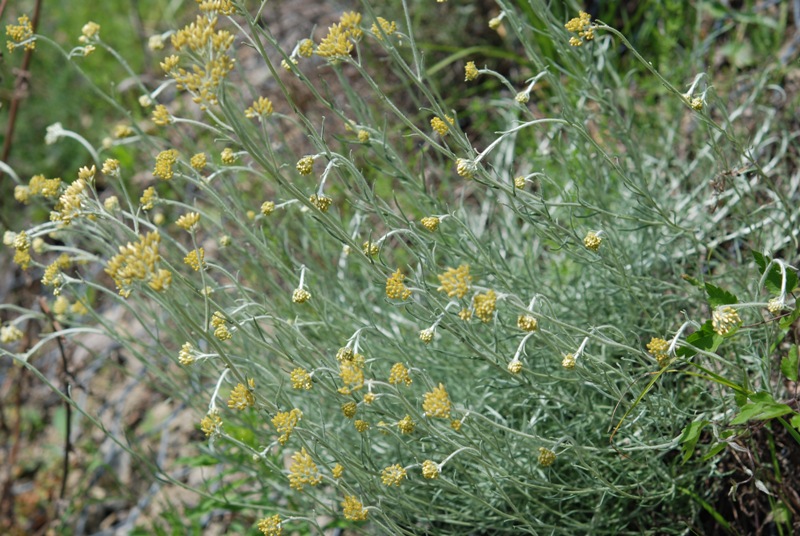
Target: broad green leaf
(714, 450)
(774, 277)
(705, 339)
(789, 364)
(718, 296)
(689, 437)
(795, 422)
(787, 321)
(762, 408)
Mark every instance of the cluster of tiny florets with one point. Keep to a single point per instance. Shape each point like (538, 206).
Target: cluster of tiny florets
(455, 282)
(138, 261)
(527, 323)
(185, 356)
(393, 475)
(399, 374)
(300, 295)
(658, 349)
(301, 379)
(470, 71)
(285, 422)
(322, 202)
(592, 241)
(349, 409)
(725, 320)
(581, 25)
(484, 305)
(395, 288)
(437, 403)
(353, 509)
(188, 221)
(546, 457)
(165, 160)
(431, 223)
(569, 361)
(20, 32)
(195, 259)
(271, 526)
(430, 469)
(261, 107)
(406, 425)
(242, 395)
(219, 324)
(211, 424)
(303, 471)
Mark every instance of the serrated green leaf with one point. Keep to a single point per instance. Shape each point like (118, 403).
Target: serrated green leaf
(787, 321)
(789, 364)
(705, 339)
(689, 437)
(774, 279)
(718, 296)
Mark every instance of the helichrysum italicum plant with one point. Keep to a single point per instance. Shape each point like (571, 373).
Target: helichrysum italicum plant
(382, 387)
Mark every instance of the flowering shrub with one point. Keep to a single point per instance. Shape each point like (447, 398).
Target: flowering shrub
(483, 329)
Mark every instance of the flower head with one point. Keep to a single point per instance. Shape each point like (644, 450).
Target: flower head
(592, 241)
(470, 72)
(484, 305)
(546, 457)
(196, 259)
(658, 349)
(23, 31)
(211, 423)
(426, 335)
(353, 509)
(337, 470)
(455, 282)
(164, 162)
(406, 425)
(261, 107)
(399, 374)
(466, 168)
(430, 469)
(189, 221)
(185, 356)
(393, 475)
(395, 288)
(322, 202)
(581, 25)
(431, 223)
(303, 471)
(725, 320)
(301, 379)
(349, 409)
(568, 362)
(300, 295)
(305, 165)
(285, 422)
(271, 526)
(437, 403)
(527, 323)
(242, 396)
(228, 156)
(198, 161)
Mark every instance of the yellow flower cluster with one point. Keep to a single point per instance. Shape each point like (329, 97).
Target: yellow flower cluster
(10, 333)
(351, 370)
(592, 241)
(300, 295)
(361, 426)
(581, 25)
(658, 349)
(426, 335)
(161, 115)
(202, 39)
(465, 168)
(455, 282)
(211, 423)
(437, 403)
(271, 526)
(242, 396)
(353, 509)
(393, 475)
(546, 457)
(470, 71)
(148, 199)
(322, 202)
(395, 288)
(261, 107)
(138, 261)
(337, 471)
(725, 320)
(185, 356)
(406, 425)
(228, 156)
(196, 259)
(164, 162)
(285, 422)
(219, 324)
(399, 374)
(20, 32)
(223, 7)
(189, 221)
(388, 28)
(515, 366)
(305, 165)
(370, 249)
(527, 323)
(349, 409)
(53, 276)
(303, 471)
(431, 223)
(484, 305)
(300, 379)
(569, 361)
(439, 126)
(70, 204)
(38, 185)
(198, 161)
(305, 48)
(430, 469)
(22, 245)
